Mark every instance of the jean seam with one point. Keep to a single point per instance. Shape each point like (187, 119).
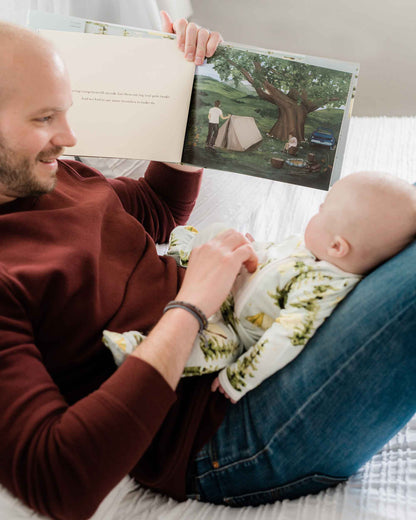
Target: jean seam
(319, 477)
(312, 397)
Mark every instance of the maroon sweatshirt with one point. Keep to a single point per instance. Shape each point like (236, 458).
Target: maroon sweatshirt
(73, 262)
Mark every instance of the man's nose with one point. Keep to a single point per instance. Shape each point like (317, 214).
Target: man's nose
(65, 137)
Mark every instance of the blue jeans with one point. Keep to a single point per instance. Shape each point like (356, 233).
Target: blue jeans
(315, 422)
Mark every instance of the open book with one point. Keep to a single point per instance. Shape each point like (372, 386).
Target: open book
(264, 113)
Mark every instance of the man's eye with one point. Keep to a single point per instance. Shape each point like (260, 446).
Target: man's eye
(44, 119)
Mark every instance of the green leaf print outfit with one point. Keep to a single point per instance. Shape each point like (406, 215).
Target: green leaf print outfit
(266, 320)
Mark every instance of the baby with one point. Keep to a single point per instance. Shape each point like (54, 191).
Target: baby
(271, 314)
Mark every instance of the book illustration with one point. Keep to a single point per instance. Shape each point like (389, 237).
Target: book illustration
(239, 133)
(282, 117)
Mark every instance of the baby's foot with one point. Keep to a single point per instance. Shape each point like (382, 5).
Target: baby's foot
(121, 345)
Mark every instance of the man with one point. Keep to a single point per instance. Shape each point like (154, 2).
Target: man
(71, 425)
(214, 115)
(60, 359)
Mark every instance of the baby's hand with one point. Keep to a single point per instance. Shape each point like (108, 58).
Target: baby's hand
(216, 385)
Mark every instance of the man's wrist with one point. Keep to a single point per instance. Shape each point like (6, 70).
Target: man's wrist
(198, 314)
(169, 344)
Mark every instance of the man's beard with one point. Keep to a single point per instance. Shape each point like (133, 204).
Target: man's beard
(17, 173)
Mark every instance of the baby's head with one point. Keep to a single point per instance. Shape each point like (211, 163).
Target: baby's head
(366, 218)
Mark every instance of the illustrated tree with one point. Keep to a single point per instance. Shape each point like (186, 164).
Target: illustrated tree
(296, 89)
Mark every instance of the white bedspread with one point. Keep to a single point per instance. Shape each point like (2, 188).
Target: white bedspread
(385, 488)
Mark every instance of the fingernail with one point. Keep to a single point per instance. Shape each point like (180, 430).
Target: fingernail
(199, 61)
(190, 56)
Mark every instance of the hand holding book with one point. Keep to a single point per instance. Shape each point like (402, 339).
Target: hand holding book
(197, 43)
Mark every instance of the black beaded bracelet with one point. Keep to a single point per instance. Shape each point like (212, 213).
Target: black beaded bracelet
(195, 311)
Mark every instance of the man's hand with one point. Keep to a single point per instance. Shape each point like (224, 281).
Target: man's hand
(216, 385)
(212, 269)
(196, 42)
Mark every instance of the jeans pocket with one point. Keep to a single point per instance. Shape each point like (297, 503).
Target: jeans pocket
(311, 484)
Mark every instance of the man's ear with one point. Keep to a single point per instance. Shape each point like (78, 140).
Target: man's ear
(339, 247)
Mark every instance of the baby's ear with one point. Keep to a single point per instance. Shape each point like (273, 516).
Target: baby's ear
(339, 247)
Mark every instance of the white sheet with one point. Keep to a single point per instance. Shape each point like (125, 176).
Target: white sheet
(385, 488)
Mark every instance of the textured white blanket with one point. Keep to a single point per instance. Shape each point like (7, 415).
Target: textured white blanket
(385, 488)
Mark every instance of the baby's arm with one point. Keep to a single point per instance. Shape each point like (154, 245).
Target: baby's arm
(307, 306)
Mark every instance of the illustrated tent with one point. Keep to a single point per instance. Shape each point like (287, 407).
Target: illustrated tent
(238, 133)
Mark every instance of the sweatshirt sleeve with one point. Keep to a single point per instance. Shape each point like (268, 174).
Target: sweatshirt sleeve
(161, 200)
(63, 460)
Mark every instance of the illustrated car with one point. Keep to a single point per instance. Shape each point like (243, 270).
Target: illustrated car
(323, 137)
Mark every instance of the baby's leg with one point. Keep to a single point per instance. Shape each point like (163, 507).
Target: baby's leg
(121, 345)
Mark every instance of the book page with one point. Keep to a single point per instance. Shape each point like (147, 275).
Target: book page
(131, 95)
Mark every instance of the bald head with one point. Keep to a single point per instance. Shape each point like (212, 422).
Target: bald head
(381, 219)
(376, 200)
(366, 218)
(23, 51)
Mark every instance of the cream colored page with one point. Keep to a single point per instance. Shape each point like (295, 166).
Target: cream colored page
(131, 95)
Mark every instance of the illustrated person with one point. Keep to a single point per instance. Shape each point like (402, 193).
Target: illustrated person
(292, 142)
(78, 256)
(214, 115)
(272, 313)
